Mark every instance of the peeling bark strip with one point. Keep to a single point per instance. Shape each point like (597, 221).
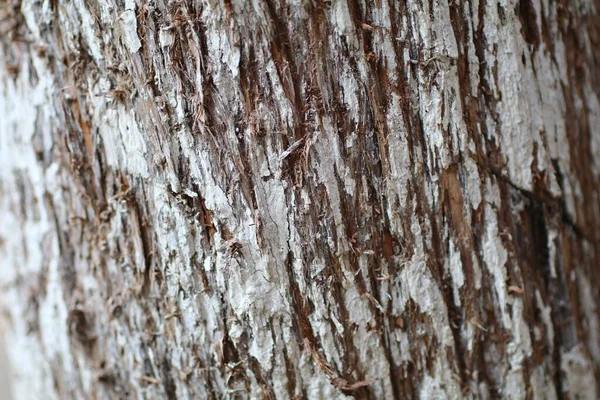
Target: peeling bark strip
(301, 199)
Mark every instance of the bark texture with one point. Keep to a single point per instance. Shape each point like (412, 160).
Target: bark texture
(300, 198)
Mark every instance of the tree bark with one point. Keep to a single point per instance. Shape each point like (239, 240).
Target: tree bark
(300, 199)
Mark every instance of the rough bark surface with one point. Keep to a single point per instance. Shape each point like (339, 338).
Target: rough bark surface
(300, 198)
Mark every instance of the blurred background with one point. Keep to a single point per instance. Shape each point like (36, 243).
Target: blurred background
(5, 393)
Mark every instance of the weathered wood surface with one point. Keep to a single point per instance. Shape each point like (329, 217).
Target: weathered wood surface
(300, 199)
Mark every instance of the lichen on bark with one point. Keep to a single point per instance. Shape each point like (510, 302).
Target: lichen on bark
(300, 199)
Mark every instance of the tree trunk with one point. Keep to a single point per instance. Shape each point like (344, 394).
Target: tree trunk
(300, 199)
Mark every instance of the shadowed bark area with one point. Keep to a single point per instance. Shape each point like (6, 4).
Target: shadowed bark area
(300, 199)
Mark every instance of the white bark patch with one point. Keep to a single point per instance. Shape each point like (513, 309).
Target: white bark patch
(88, 29)
(519, 349)
(591, 310)
(29, 246)
(455, 267)
(495, 257)
(442, 384)
(546, 315)
(129, 26)
(418, 284)
(580, 382)
(542, 387)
